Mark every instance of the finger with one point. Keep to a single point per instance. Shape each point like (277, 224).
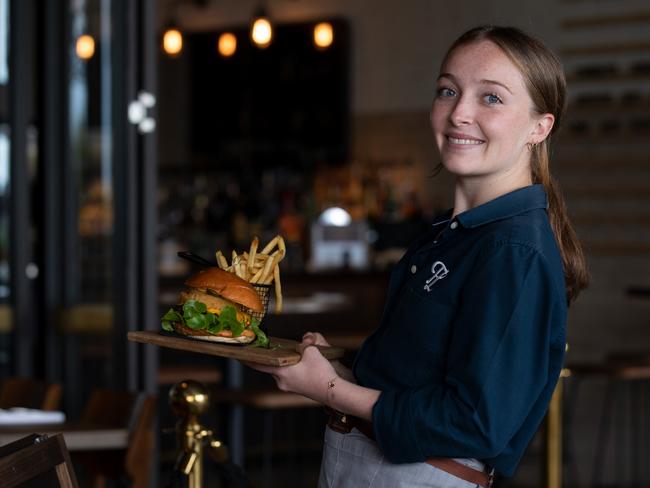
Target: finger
(303, 346)
(309, 338)
(316, 338)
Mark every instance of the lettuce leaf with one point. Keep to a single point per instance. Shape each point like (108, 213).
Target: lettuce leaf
(196, 316)
(170, 317)
(228, 319)
(260, 337)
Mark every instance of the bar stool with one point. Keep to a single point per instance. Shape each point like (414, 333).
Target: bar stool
(625, 400)
(171, 374)
(269, 401)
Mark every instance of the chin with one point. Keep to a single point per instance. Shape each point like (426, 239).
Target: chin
(460, 167)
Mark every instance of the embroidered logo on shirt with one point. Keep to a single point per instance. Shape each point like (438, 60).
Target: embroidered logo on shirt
(438, 272)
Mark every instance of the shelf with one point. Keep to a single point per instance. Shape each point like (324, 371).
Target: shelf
(610, 48)
(609, 20)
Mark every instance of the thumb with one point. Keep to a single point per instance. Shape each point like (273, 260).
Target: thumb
(314, 338)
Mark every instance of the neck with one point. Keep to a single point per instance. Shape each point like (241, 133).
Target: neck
(472, 192)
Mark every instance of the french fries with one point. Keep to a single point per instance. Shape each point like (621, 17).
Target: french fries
(258, 268)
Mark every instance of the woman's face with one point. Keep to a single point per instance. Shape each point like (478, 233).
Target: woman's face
(483, 116)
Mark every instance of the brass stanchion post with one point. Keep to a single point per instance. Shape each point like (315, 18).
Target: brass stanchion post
(188, 400)
(553, 437)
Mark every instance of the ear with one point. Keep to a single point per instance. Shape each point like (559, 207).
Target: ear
(542, 128)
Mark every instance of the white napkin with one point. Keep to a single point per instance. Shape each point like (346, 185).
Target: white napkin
(28, 416)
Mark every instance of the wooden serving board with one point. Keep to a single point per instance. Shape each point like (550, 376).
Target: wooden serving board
(283, 352)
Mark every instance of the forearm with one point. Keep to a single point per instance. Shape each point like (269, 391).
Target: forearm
(350, 398)
(316, 378)
(343, 371)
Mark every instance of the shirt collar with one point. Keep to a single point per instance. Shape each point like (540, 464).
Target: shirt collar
(442, 218)
(508, 205)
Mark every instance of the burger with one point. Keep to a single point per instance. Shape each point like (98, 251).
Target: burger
(217, 306)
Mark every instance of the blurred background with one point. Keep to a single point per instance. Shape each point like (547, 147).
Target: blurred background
(131, 130)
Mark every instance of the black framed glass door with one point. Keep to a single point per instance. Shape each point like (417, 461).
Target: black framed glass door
(77, 198)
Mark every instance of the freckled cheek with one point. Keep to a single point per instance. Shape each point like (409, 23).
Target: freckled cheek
(437, 119)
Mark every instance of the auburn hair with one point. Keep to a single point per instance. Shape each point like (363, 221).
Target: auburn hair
(544, 78)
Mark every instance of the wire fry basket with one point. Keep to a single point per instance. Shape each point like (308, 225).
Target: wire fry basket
(264, 292)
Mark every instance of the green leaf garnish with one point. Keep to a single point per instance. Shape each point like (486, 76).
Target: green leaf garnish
(196, 322)
(228, 319)
(191, 308)
(196, 316)
(260, 337)
(169, 318)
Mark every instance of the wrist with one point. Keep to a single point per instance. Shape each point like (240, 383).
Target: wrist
(329, 392)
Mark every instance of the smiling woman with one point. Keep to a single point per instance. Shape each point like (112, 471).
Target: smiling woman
(483, 118)
(454, 382)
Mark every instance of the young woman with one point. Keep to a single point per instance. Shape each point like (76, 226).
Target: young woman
(455, 381)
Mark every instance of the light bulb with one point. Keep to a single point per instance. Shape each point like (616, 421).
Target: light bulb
(335, 216)
(85, 46)
(262, 32)
(227, 44)
(173, 42)
(323, 35)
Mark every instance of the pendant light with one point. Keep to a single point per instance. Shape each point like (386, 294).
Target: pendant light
(261, 29)
(85, 46)
(227, 44)
(323, 35)
(172, 41)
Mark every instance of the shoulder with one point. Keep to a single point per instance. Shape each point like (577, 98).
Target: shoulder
(525, 241)
(531, 231)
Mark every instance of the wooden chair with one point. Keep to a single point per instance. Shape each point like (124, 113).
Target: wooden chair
(119, 409)
(37, 462)
(30, 393)
(142, 441)
(86, 330)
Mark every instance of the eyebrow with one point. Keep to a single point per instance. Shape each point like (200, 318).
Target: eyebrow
(484, 82)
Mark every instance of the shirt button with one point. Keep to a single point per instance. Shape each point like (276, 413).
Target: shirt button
(454, 225)
(414, 268)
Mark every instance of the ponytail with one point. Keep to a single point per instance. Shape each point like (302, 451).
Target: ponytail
(575, 266)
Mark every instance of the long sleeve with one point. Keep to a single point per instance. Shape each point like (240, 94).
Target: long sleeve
(502, 363)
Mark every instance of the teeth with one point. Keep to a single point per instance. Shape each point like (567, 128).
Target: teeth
(453, 140)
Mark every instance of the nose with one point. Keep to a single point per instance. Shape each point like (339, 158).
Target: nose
(462, 112)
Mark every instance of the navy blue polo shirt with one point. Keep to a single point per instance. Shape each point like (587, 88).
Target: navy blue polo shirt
(472, 339)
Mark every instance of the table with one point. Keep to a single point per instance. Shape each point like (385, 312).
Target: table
(77, 437)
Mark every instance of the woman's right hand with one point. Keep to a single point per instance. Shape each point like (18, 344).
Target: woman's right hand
(317, 339)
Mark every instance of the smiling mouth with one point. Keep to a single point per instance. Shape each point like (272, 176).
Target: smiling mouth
(464, 142)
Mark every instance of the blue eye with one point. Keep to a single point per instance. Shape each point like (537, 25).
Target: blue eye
(446, 92)
(492, 99)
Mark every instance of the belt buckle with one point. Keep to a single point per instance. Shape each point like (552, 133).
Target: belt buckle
(338, 422)
(490, 478)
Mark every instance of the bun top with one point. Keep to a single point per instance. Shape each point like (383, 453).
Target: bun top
(228, 285)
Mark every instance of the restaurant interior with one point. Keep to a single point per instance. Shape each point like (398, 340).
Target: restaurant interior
(134, 130)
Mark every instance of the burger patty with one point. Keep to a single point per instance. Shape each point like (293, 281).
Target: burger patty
(210, 300)
(247, 336)
(215, 304)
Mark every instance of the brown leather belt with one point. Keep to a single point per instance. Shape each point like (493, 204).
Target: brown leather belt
(342, 423)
